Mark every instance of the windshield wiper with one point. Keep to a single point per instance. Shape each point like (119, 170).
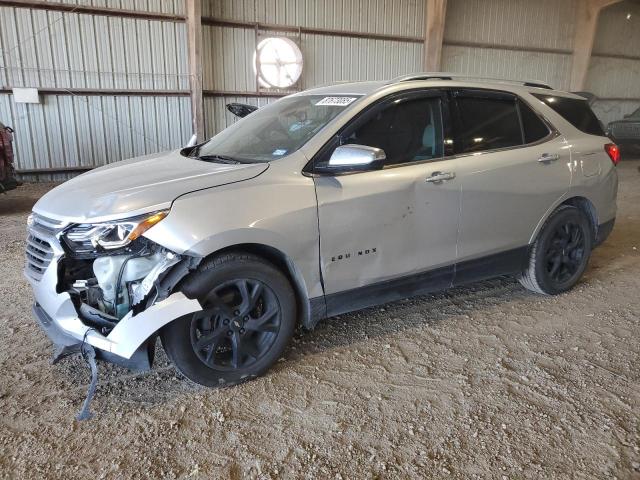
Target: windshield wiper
(219, 159)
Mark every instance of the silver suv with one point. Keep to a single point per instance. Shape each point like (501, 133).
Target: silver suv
(326, 201)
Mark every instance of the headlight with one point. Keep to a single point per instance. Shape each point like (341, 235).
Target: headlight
(84, 238)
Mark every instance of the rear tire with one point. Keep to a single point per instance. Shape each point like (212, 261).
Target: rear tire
(560, 254)
(248, 318)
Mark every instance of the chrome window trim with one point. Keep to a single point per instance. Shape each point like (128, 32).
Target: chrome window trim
(553, 134)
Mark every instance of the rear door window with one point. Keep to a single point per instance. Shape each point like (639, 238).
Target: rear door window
(577, 112)
(485, 121)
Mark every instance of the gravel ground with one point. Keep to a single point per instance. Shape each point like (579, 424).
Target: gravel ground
(488, 381)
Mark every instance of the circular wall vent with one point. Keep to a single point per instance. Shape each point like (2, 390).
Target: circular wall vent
(278, 62)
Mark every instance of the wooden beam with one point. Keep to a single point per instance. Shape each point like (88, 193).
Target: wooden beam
(91, 10)
(435, 11)
(586, 25)
(239, 93)
(8, 90)
(79, 168)
(103, 92)
(194, 46)
(328, 32)
(512, 48)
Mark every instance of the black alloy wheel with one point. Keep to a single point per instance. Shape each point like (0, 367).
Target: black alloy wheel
(565, 252)
(560, 254)
(240, 321)
(247, 319)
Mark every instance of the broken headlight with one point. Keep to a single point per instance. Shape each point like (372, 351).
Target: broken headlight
(89, 237)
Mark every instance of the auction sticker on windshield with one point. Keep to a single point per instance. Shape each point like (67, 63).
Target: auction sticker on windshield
(337, 101)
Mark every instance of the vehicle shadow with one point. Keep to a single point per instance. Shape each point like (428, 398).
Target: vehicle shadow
(407, 314)
(163, 383)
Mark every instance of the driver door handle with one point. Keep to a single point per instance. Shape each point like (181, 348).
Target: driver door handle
(439, 177)
(548, 157)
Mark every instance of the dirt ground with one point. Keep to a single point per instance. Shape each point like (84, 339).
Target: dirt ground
(488, 381)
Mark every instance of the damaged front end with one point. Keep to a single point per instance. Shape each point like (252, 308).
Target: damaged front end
(105, 285)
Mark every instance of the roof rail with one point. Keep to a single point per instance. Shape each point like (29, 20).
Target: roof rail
(423, 76)
(451, 76)
(537, 84)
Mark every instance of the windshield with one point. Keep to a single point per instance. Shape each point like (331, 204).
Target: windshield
(635, 114)
(276, 130)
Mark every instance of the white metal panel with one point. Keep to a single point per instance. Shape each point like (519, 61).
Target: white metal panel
(617, 34)
(614, 77)
(523, 23)
(75, 130)
(552, 68)
(151, 6)
(229, 59)
(65, 50)
(397, 17)
(332, 59)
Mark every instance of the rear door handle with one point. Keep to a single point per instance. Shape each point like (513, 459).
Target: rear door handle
(439, 177)
(548, 157)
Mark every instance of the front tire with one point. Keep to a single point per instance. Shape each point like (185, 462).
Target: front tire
(248, 318)
(560, 254)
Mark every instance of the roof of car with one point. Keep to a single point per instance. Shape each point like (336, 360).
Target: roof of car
(438, 79)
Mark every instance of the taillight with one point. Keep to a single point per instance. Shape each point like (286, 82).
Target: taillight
(613, 151)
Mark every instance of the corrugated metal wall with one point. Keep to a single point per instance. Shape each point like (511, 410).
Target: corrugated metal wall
(397, 17)
(555, 69)
(229, 58)
(614, 71)
(56, 50)
(161, 6)
(53, 49)
(517, 39)
(79, 130)
(228, 51)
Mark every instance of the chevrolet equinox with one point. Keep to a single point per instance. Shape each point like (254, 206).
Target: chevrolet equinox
(323, 202)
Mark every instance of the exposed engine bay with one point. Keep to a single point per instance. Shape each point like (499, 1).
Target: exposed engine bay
(110, 273)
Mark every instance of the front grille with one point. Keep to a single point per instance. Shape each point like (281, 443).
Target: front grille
(39, 252)
(626, 130)
(47, 224)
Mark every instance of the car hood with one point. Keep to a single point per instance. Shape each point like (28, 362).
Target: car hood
(137, 186)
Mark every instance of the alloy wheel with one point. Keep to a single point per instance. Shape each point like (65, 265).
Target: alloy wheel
(238, 325)
(565, 252)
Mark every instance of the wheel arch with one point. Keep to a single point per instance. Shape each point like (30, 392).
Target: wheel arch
(283, 263)
(585, 205)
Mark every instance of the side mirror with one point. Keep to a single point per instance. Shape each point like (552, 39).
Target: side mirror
(349, 158)
(241, 110)
(191, 146)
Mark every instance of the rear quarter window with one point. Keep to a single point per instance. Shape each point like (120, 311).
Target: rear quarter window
(534, 128)
(577, 112)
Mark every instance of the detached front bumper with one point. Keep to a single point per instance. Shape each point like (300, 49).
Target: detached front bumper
(57, 315)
